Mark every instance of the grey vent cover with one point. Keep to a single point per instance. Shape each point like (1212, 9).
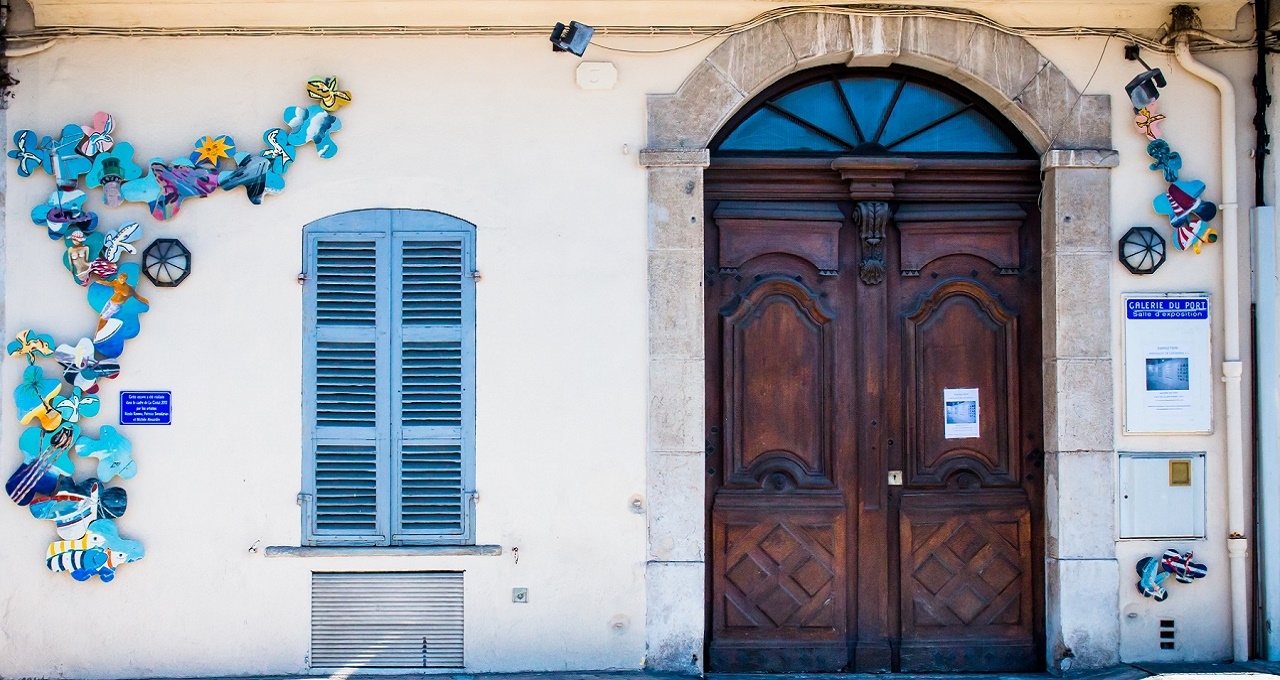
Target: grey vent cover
(386, 620)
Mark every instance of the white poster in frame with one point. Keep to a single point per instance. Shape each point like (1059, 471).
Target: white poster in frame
(1167, 368)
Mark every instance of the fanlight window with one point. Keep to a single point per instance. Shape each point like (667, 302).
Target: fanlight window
(868, 114)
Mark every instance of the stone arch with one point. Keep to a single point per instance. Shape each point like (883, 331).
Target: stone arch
(1004, 69)
(1071, 131)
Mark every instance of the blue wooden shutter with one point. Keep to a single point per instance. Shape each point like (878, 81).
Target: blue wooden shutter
(432, 411)
(345, 368)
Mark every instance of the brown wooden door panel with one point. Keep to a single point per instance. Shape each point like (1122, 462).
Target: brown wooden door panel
(961, 337)
(967, 582)
(778, 388)
(807, 230)
(779, 600)
(933, 230)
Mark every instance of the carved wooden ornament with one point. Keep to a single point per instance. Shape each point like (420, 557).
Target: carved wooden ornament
(871, 218)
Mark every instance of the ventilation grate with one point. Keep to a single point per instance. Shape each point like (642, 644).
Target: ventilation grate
(1168, 634)
(386, 620)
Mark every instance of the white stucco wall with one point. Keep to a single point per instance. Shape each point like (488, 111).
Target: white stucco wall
(1201, 610)
(493, 131)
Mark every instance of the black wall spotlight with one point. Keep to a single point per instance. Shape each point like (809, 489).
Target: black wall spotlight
(1142, 250)
(1145, 87)
(574, 38)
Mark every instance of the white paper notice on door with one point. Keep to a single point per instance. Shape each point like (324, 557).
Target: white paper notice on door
(960, 412)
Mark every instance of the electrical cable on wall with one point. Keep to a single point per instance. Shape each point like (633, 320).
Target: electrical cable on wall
(1202, 40)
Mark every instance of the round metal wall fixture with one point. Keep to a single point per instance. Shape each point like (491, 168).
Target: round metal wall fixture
(1142, 250)
(166, 262)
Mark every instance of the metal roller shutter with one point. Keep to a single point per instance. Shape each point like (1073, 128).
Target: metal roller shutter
(386, 620)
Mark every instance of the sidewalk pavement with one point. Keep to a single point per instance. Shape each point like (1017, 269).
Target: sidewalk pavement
(1260, 670)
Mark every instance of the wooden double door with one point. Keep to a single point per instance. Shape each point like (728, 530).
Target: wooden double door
(874, 467)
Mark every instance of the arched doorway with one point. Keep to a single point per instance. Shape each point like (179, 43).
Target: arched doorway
(875, 476)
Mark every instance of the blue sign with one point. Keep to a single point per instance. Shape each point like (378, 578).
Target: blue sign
(146, 408)
(1159, 309)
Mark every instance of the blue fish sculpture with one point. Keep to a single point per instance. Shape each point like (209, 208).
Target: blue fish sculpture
(99, 553)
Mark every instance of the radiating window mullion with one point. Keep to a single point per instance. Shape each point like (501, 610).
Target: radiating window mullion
(888, 110)
(807, 125)
(848, 109)
(874, 111)
(925, 128)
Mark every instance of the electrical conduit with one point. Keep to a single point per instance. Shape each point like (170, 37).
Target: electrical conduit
(1237, 543)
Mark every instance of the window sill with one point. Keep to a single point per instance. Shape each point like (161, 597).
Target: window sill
(379, 551)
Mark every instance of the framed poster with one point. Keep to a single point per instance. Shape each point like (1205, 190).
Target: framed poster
(1167, 371)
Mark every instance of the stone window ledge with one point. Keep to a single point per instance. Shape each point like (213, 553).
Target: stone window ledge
(380, 551)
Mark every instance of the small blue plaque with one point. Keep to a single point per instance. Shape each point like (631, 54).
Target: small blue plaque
(146, 408)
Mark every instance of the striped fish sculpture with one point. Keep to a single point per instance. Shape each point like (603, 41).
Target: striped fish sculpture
(84, 564)
(99, 553)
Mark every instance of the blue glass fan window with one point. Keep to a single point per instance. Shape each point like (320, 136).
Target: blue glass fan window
(861, 113)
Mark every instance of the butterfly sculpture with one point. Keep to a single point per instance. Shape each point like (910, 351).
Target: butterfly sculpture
(325, 91)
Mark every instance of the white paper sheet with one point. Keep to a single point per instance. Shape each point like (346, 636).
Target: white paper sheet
(960, 413)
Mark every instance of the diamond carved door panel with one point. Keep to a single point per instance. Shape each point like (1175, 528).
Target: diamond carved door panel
(780, 591)
(967, 578)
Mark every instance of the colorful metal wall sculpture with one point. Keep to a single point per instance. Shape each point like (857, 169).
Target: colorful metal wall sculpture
(1153, 571)
(84, 512)
(1181, 204)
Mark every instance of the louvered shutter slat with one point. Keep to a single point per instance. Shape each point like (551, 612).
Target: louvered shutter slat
(345, 371)
(431, 481)
(430, 323)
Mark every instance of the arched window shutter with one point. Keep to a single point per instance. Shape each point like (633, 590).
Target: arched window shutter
(389, 364)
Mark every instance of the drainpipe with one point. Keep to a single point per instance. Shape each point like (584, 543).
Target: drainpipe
(1237, 544)
(1268, 410)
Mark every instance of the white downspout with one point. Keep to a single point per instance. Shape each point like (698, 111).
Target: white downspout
(1228, 243)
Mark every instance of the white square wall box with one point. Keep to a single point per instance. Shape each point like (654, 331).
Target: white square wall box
(1161, 495)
